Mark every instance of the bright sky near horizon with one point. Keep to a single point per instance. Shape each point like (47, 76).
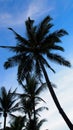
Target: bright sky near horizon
(13, 13)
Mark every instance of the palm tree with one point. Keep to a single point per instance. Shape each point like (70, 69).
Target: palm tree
(7, 103)
(34, 53)
(30, 98)
(19, 123)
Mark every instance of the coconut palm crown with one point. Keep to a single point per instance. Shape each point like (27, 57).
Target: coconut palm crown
(38, 44)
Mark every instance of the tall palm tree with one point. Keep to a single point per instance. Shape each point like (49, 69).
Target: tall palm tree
(34, 53)
(8, 103)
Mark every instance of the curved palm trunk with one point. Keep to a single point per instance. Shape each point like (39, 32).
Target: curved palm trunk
(66, 119)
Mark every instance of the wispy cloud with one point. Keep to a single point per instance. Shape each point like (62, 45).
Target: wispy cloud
(35, 9)
(38, 8)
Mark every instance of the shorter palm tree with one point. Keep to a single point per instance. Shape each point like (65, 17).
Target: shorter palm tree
(30, 99)
(8, 103)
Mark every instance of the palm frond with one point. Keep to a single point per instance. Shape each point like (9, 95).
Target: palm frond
(50, 40)
(31, 31)
(13, 61)
(56, 47)
(17, 49)
(24, 67)
(41, 109)
(37, 98)
(21, 40)
(12, 116)
(24, 96)
(41, 123)
(54, 37)
(43, 28)
(46, 63)
(59, 59)
(41, 88)
(61, 33)
(15, 108)
(3, 92)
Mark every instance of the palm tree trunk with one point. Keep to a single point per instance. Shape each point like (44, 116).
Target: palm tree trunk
(5, 122)
(61, 111)
(34, 112)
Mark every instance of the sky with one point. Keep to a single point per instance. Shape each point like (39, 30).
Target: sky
(13, 14)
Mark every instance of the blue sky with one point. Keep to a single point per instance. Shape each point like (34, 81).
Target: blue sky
(13, 13)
